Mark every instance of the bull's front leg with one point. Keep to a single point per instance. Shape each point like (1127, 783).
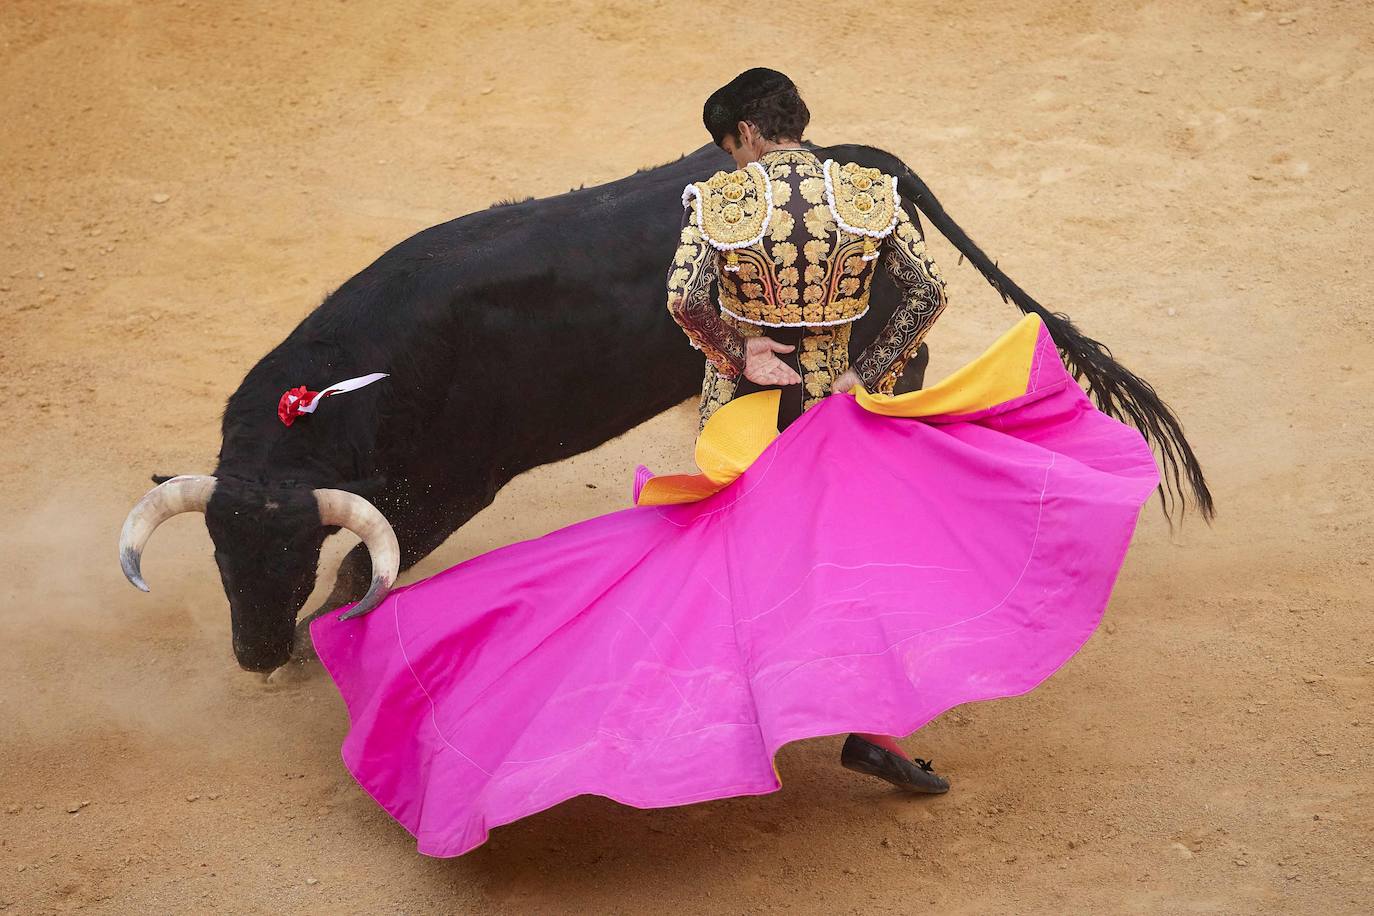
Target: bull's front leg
(350, 585)
(420, 531)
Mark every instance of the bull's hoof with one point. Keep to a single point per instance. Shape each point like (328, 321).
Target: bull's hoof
(304, 660)
(296, 671)
(303, 649)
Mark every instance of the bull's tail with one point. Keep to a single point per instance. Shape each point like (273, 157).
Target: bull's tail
(1118, 391)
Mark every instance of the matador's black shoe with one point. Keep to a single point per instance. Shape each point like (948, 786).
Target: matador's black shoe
(912, 776)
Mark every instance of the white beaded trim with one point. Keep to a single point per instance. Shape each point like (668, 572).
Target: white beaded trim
(693, 194)
(794, 324)
(872, 233)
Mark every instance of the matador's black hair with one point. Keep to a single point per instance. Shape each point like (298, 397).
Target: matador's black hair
(761, 96)
(1118, 391)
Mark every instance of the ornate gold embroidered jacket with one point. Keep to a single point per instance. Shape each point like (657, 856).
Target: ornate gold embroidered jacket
(792, 241)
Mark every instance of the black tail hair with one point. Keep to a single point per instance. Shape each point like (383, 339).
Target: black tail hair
(1118, 391)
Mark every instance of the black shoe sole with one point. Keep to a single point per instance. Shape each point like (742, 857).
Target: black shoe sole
(859, 766)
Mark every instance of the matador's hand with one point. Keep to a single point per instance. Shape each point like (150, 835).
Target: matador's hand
(845, 382)
(762, 367)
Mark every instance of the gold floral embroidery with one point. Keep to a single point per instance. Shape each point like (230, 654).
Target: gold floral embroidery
(782, 226)
(689, 302)
(824, 358)
(805, 268)
(815, 362)
(819, 221)
(922, 291)
(731, 207)
(816, 251)
(782, 193)
(861, 199)
(813, 190)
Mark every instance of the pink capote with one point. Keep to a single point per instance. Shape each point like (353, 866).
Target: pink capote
(865, 573)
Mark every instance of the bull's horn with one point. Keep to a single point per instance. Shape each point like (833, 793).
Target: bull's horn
(351, 511)
(189, 493)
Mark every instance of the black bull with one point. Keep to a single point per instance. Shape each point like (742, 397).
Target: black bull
(514, 337)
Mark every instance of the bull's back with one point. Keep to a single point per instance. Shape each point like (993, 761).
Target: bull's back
(520, 334)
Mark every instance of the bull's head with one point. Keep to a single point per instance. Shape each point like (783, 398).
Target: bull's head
(267, 544)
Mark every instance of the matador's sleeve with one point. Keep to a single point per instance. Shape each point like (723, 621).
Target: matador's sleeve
(922, 298)
(689, 301)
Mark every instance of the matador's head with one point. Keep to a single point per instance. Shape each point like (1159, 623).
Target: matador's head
(757, 108)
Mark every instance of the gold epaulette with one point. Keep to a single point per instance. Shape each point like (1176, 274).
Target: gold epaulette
(732, 209)
(863, 201)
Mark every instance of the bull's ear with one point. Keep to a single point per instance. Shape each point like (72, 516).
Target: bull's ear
(163, 478)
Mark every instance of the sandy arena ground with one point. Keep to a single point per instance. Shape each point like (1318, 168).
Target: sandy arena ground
(183, 181)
